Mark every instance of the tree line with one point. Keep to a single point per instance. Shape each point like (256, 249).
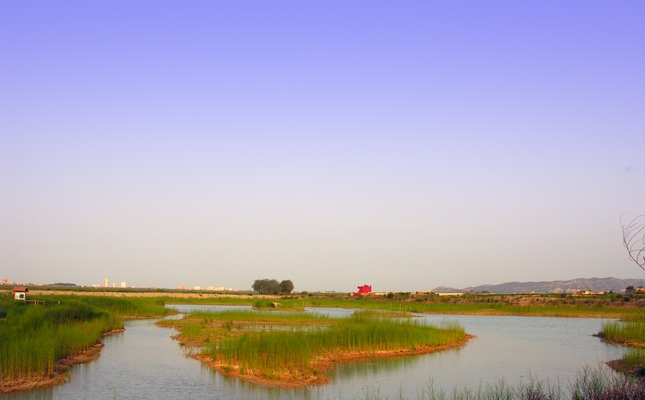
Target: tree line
(272, 286)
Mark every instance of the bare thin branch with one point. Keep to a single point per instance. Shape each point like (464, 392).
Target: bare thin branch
(634, 239)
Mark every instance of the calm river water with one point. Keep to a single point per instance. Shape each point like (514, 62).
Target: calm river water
(145, 363)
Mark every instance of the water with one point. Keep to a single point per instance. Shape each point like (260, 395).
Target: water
(145, 363)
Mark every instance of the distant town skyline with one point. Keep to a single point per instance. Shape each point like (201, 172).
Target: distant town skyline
(335, 144)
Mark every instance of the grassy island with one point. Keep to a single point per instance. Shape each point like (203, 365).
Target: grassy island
(296, 349)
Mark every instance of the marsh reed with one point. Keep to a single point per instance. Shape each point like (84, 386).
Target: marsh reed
(631, 333)
(272, 353)
(34, 338)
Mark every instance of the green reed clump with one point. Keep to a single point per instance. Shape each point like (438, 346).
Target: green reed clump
(634, 316)
(33, 338)
(263, 303)
(631, 334)
(119, 306)
(190, 330)
(267, 352)
(361, 333)
(624, 332)
(258, 316)
(634, 357)
(294, 352)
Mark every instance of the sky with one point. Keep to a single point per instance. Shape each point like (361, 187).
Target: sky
(405, 145)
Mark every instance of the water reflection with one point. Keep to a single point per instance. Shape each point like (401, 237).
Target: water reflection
(373, 367)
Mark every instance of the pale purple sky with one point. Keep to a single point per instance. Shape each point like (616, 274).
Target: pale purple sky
(405, 145)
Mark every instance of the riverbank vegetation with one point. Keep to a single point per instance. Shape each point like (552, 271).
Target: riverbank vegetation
(272, 304)
(38, 343)
(631, 333)
(545, 305)
(610, 305)
(591, 383)
(295, 349)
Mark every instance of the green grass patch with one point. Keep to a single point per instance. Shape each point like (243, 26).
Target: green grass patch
(631, 333)
(524, 305)
(383, 313)
(264, 304)
(259, 316)
(236, 344)
(118, 306)
(34, 337)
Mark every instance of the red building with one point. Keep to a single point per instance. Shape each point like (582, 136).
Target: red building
(363, 290)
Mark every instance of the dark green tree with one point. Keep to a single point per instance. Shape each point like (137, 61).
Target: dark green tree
(271, 286)
(286, 286)
(266, 286)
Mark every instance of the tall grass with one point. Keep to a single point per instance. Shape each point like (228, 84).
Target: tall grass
(635, 358)
(294, 352)
(258, 316)
(632, 333)
(592, 383)
(34, 338)
(122, 307)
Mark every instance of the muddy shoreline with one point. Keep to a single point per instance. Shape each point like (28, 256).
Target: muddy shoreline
(619, 365)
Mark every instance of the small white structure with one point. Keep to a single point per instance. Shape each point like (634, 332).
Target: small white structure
(20, 293)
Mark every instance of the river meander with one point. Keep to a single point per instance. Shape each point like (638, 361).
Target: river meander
(145, 363)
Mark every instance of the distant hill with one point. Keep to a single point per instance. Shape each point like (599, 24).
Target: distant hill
(62, 284)
(594, 284)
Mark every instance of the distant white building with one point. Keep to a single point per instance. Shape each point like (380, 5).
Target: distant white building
(122, 284)
(105, 282)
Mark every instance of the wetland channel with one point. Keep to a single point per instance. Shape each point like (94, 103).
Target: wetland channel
(144, 362)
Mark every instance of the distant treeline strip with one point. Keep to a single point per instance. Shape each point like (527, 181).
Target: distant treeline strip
(593, 306)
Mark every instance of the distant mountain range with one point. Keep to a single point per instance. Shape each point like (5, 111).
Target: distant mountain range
(593, 284)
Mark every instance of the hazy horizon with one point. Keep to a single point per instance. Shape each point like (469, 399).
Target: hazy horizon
(403, 145)
(212, 288)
